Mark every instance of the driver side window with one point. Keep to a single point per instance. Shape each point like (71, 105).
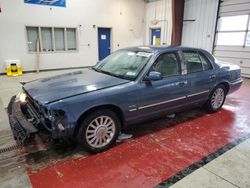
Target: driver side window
(167, 64)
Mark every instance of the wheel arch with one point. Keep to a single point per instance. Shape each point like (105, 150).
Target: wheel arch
(225, 84)
(111, 107)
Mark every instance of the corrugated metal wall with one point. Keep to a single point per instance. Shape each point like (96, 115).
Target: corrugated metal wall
(239, 55)
(200, 32)
(162, 11)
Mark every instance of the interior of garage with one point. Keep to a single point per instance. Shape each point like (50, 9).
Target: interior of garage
(190, 149)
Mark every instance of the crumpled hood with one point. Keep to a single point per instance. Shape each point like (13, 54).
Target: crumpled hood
(62, 86)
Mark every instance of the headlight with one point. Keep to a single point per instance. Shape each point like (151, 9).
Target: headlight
(22, 97)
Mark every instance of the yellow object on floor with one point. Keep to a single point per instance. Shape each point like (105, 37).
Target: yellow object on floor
(13, 68)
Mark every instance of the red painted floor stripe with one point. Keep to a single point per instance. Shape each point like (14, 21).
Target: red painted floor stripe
(148, 160)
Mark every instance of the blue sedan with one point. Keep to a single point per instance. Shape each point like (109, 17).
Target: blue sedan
(131, 85)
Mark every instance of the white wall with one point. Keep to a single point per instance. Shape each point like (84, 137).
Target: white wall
(124, 16)
(199, 33)
(164, 14)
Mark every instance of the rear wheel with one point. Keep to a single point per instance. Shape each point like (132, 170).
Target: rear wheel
(217, 99)
(99, 131)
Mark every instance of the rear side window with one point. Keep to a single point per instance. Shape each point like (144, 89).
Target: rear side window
(205, 62)
(193, 61)
(167, 64)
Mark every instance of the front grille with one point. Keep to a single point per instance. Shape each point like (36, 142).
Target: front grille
(36, 114)
(33, 109)
(32, 103)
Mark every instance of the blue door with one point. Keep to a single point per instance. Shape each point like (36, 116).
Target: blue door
(163, 95)
(201, 76)
(104, 42)
(155, 36)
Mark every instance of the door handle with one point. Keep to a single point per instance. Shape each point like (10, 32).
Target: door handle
(183, 83)
(212, 76)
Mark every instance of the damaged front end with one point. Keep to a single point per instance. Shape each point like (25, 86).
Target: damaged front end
(23, 130)
(27, 119)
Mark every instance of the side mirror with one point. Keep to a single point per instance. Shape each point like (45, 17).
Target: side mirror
(154, 76)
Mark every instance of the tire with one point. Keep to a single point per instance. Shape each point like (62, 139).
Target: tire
(99, 131)
(214, 104)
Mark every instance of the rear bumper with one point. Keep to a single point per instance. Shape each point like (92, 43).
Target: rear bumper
(23, 130)
(234, 86)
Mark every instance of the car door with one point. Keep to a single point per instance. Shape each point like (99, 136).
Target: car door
(200, 76)
(164, 95)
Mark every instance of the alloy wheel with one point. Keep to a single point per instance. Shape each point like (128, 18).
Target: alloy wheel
(100, 131)
(217, 98)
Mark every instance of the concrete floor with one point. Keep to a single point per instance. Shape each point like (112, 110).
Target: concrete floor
(165, 147)
(229, 170)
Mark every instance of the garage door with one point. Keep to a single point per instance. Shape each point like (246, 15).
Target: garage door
(232, 43)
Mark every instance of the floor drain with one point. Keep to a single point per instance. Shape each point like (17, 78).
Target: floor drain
(10, 148)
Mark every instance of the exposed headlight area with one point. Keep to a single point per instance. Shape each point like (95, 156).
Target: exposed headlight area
(21, 97)
(59, 119)
(37, 114)
(60, 126)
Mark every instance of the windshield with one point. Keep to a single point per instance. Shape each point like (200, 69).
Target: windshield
(123, 64)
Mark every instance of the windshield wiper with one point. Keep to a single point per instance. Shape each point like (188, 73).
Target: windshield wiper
(111, 74)
(120, 76)
(108, 73)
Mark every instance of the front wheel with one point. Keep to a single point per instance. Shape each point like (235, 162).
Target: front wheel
(99, 131)
(217, 99)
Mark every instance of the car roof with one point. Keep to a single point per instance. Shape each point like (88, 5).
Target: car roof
(158, 49)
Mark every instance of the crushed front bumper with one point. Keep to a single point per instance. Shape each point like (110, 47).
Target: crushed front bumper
(23, 130)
